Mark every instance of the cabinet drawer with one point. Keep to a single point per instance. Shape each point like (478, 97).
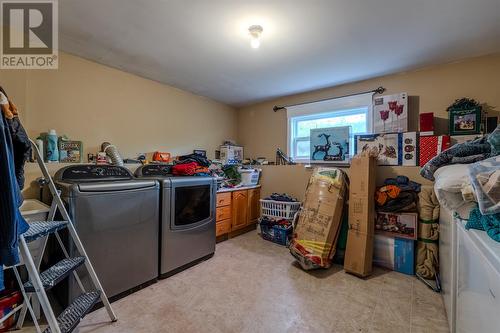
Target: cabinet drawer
(222, 227)
(223, 199)
(223, 213)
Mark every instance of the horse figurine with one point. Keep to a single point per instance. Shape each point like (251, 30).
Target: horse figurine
(322, 148)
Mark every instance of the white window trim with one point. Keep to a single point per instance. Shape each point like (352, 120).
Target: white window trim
(326, 107)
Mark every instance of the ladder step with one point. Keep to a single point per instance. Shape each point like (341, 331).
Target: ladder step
(56, 273)
(42, 229)
(74, 313)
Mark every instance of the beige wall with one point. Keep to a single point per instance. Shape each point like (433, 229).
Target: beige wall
(94, 103)
(433, 89)
(261, 130)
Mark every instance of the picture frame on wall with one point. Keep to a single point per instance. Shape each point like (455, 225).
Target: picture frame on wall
(390, 113)
(330, 145)
(465, 121)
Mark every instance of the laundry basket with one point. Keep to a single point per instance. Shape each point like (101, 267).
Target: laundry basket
(279, 209)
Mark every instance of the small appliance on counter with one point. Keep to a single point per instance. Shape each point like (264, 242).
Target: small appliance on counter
(187, 224)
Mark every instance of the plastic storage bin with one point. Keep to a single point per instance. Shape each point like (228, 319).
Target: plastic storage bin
(279, 209)
(276, 233)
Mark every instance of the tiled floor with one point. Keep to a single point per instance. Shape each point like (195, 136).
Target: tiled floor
(252, 285)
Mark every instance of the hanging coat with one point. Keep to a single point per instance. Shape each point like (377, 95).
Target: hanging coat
(12, 224)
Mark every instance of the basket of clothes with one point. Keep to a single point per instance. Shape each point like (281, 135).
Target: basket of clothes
(276, 231)
(279, 206)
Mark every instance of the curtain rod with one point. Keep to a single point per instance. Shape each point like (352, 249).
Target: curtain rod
(379, 90)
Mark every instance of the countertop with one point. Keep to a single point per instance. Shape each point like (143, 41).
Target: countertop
(241, 188)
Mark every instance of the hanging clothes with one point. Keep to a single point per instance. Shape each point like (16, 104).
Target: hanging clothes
(12, 224)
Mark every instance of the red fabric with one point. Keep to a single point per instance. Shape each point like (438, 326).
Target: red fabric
(187, 169)
(429, 147)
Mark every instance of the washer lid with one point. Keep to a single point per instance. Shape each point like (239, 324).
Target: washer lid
(116, 186)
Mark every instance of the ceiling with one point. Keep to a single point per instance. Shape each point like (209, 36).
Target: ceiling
(202, 46)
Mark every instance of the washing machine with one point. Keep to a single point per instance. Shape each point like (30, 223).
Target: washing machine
(116, 217)
(187, 210)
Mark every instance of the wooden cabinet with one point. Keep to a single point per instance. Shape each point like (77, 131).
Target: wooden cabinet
(253, 205)
(223, 199)
(223, 213)
(240, 209)
(237, 210)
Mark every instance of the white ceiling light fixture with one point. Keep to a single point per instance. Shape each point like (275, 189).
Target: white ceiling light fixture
(255, 33)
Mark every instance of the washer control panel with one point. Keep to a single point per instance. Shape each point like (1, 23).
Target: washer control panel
(94, 172)
(154, 170)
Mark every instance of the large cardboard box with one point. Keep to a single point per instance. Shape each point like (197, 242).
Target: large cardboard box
(318, 225)
(395, 253)
(359, 253)
(359, 249)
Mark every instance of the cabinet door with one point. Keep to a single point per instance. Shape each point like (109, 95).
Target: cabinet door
(239, 208)
(253, 205)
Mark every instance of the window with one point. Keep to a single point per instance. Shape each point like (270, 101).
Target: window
(355, 111)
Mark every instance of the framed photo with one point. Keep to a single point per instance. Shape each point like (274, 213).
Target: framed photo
(390, 113)
(389, 147)
(330, 145)
(465, 121)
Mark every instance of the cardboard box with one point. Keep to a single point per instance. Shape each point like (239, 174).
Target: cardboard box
(390, 113)
(318, 225)
(70, 151)
(389, 147)
(359, 254)
(410, 149)
(427, 122)
(394, 253)
(431, 146)
(359, 248)
(403, 225)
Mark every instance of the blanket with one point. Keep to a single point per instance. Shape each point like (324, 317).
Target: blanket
(464, 153)
(488, 223)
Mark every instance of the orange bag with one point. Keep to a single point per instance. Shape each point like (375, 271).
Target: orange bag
(161, 157)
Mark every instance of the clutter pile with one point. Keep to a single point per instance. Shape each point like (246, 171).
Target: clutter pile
(281, 197)
(397, 195)
(318, 222)
(191, 165)
(484, 177)
(468, 152)
(277, 214)
(396, 224)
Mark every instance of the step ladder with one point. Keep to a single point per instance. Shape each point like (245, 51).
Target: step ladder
(40, 283)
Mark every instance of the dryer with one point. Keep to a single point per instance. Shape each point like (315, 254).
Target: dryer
(187, 210)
